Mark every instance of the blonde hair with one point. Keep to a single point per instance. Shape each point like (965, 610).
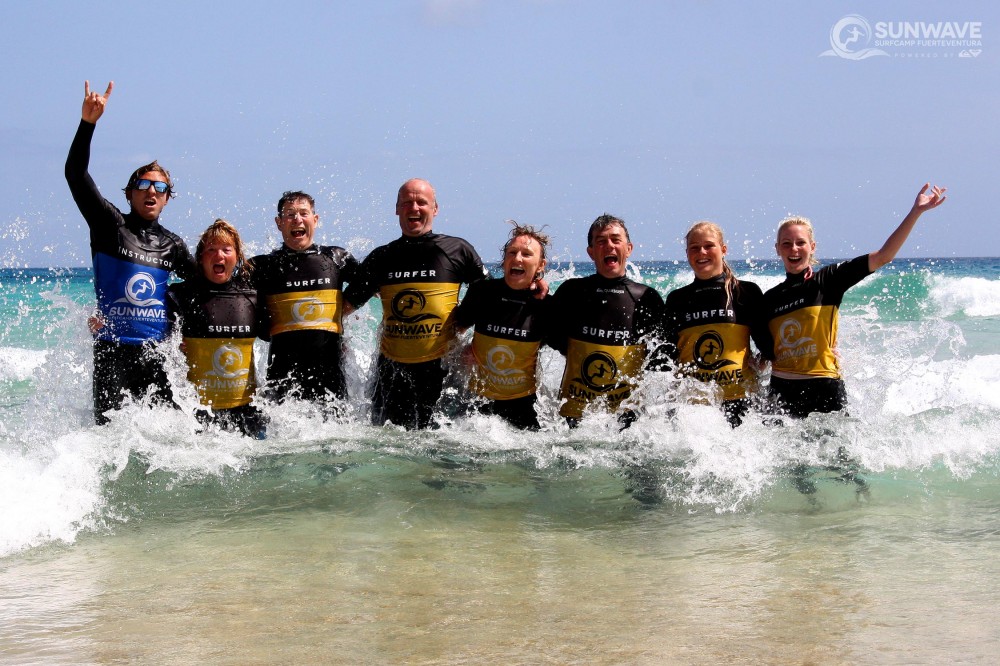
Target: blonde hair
(222, 231)
(798, 221)
(732, 284)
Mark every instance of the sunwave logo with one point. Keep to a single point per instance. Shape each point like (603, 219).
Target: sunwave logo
(499, 360)
(408, 307)
(309, 310)
(708, 350)
(850, 38)
(854, 38)
(139, 291)
(227, 362)
(599, 371)
(790, 335)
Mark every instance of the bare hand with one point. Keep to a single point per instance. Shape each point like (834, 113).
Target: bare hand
(94, 103)
(540, 287)
(95, 323)
(926, 202)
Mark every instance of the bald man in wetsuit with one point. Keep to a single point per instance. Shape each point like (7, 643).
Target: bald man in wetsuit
(418, 277)
(133, 258)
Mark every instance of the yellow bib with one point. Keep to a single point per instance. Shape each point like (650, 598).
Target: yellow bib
(718, 353)
(599, 372)
(306, 311)
(416, 325)
(505, 369)
(221, 370)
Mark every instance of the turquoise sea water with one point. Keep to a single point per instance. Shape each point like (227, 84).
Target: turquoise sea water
(676, 541)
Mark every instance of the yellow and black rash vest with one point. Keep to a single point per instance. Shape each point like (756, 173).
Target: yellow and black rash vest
(707, 333)
(219, 324)
(303, 291)
(418, 280)
(302, 294)
(803, 317)
(600, 326)
(510, 326)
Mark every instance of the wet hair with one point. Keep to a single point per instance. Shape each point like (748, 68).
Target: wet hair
(222, 231)
(798, 221)
(294, 195)
(146, 168)
(525, 230)
(602, 223)
(731, 283)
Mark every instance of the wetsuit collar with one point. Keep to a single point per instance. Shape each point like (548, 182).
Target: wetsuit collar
(718, 279)
(284, 249)
(799, 278)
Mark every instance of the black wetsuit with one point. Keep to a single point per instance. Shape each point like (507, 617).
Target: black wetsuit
(418, 280)
(510, 326)
(303, 296)
(707, 335)
(133, 259)
(803, 317)
(600, 327)
(219, 324)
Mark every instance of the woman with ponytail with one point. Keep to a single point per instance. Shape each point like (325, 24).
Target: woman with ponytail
(707, 325)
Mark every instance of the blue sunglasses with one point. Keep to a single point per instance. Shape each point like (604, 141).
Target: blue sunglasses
(143, 184)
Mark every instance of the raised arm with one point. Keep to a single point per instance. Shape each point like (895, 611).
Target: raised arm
(94, 103)
(924, 202)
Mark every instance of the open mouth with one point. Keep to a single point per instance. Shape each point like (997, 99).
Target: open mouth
(219, 269)
(611, 260)
(298, 233)
(515, 270)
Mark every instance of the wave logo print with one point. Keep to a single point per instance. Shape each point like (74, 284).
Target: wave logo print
(309, 311)
(227, 362)
(599, 372)
(499, 359)
(790, 335)
(849, 39)
(408, 307)
(708, 350)
(139, 291)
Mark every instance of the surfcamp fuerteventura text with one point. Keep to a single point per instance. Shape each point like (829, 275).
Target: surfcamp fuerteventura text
(854, 38)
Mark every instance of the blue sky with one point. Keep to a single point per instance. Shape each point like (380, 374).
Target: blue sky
(549, 112)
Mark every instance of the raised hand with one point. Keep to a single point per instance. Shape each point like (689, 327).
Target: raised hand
(94, 103)
(925, 202)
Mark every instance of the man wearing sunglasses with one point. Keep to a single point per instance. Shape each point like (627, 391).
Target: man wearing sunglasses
(133, 259)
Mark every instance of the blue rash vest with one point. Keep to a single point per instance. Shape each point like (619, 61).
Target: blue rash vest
(133, 258)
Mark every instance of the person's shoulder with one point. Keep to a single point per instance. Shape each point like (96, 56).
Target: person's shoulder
(750, 287)
(332, 250)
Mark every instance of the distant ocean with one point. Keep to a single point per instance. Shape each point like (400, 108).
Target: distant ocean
(679, 540)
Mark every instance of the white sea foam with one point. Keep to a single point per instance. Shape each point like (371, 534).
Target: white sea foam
(971, 296)
(19, 365)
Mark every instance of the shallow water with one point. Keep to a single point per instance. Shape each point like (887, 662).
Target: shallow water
(677, 541)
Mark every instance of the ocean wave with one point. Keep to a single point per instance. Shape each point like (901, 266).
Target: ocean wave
(19, 365)
(970, 296)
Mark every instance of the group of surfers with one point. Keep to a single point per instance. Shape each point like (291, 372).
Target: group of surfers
(609, 327)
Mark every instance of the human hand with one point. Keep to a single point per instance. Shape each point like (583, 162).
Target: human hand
(925, 202)
(94, 103)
